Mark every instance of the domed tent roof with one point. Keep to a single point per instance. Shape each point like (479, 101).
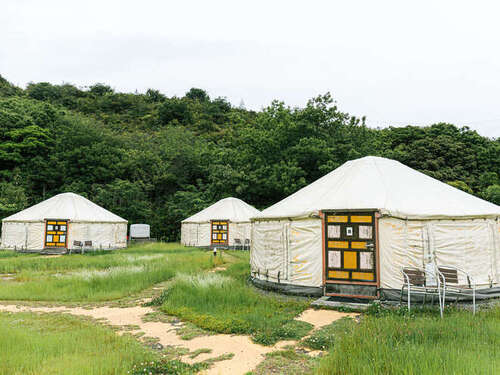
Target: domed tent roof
(232, 209)
(66, 206)
(384, 184)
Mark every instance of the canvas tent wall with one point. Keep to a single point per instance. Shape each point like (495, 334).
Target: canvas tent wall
(59, 221)
(197, 230)
(302, 242)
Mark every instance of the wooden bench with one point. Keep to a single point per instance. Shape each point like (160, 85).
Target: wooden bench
(415, 280)
(449, 279)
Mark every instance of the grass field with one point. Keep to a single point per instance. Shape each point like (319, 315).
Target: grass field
(47, 344)
(383, 342)
(422, 343)
(224, 302)
(97, 276)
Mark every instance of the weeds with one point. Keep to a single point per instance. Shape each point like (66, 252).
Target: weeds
(397, 342)
(324, 338)
(99, 277)
(223, 302)
(285, 362)
(62, 344)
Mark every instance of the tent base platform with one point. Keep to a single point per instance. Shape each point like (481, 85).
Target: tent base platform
(295, 290)
(335, 303)
(54, 251)
(481, 294)
(363, 294)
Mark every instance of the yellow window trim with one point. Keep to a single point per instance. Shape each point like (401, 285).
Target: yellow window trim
(338, 274)
(361, 219)
(350, 259)
(337, 219)
(358, 245)
(362, 275)
(339, 244)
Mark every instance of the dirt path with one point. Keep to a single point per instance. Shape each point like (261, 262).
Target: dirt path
(321, 318)
(247, 354)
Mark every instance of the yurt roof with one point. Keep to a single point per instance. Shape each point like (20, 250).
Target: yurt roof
(66, 206)
(384, 184)
(232, 209)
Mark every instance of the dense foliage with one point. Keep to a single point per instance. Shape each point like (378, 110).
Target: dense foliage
(157, 160)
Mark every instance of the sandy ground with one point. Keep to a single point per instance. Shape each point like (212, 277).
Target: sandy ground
(321, 318)
(247, 354)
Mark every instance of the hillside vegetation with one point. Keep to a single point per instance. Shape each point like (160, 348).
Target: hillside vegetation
(157, 160)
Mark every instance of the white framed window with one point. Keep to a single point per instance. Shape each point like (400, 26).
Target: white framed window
(365, 232)
(366, 261)
(334, 231)
(334, 259)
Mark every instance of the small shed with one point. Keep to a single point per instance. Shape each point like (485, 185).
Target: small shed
(140, 231)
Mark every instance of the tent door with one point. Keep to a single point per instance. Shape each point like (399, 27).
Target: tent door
(56, 231)
(219, 232)
(350, 253)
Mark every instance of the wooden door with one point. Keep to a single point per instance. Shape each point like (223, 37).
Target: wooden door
(56, 233)
(350, 247)
(220, 232)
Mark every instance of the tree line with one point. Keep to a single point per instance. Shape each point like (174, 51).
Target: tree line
(157, 160)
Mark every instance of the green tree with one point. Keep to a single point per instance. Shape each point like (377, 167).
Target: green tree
(12, 198)
(197, 94)
(460, 185)
(492, 194)
(174, 109)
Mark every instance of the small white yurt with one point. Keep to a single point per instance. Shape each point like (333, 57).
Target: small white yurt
(219, 224)
(351, 232)
(58, 222)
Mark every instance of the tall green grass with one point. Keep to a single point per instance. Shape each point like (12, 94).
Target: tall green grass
(224, 302)
(99, 277)
(417, 344)
(47, 344)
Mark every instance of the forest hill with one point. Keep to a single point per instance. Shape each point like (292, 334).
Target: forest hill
(158, 160)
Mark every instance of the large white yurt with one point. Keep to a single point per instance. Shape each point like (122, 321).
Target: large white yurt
(351, 232)
(58, 222)
(219, 224)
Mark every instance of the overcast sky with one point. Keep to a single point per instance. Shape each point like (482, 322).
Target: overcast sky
(396, 62)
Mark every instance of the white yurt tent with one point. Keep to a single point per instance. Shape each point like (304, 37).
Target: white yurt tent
(219, 224)
(59, 221)
(351, 232)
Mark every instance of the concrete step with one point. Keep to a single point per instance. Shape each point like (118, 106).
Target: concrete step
(330, 302)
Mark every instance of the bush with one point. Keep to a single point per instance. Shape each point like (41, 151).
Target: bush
(164, 367)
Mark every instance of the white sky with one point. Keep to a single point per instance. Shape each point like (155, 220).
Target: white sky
(397, 62)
